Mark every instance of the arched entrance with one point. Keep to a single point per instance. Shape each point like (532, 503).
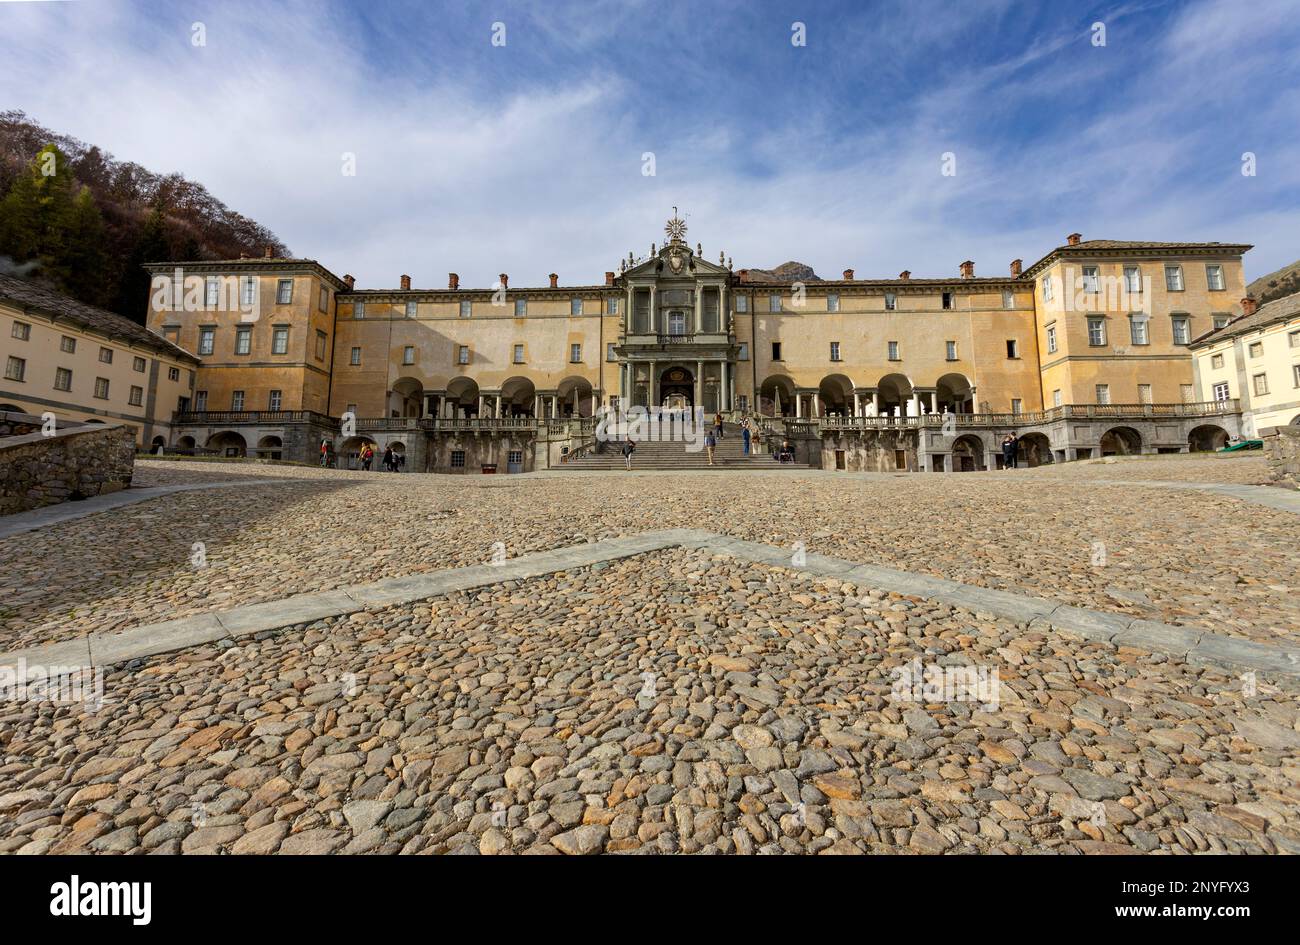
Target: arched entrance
(776, 396)
(350, 452)
(158, 445)
(836, 395)
(968, 454)
(269, 447)
(1207, 438)
(677, 388)
(1121, 441)
(955, 393)
(462, 397)
(573, 397)
(406, 398)
(228, 443)
(1033, 449)
(186, 443)
(518, 397)
(894, 391)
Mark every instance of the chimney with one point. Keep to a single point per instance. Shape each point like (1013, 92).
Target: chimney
(743, 274)
(609, 278)
(505, 280)
(1016, 266)
(267, 252)
(968, 270)
(555, 280)
(406, 283)
(453, 281)
(905, 274)
(1248, 305)
(848, 275)
(1073, 239)
(349, 282)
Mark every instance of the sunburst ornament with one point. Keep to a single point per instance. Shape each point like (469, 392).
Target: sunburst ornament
(676, 228)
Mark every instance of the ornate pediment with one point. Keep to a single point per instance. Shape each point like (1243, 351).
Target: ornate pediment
(675, 259)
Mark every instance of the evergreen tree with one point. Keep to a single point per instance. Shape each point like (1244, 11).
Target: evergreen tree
(83, 269)
(152, 246)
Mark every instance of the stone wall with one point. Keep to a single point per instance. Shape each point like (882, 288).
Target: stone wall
(75, 462)
(1282, 447)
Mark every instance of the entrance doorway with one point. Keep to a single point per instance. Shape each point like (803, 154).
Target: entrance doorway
(677, 389)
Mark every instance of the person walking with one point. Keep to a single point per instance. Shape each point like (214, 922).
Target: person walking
(367, 457)
(717, 425)
(710, 441)
(1008, 452)
(629, 447)
(324, 453)
(745, 436)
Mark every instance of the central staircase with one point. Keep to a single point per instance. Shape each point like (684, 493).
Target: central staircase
(673, 454)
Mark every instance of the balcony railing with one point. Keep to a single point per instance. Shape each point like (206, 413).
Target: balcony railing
(226, 417)
(1213, 408)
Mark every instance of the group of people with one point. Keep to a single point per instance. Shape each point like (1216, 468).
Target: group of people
(1010, 447)
(712, 438)
(393, 460)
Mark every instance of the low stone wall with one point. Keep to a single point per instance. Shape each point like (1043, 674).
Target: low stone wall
(72, 463)
(1282, 447)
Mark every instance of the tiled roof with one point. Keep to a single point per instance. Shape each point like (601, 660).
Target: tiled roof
(1278, 310)
(31, 297)
(251, 262)
(1083, 247)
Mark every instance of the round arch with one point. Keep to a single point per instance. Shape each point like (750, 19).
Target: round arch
(968, 454)
(573, 397)
(270, 447)
(1207, 438)
(836, 394)
(776, 396)
(227, 443)
(349, 451)
(1034, 449)
(158, 445)
(462, 394)
(12, 408)
(406, 398)
(894, 391)
(1121, 441)
(186, 443)
(956, 393)
(518, 397)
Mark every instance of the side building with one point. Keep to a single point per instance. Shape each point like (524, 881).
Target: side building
(1084, 353)
(84, 363)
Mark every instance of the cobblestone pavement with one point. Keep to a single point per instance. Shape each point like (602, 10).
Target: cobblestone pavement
(1182, 557)
(679, 702)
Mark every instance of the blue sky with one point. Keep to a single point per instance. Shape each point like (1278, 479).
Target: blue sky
(527, 158)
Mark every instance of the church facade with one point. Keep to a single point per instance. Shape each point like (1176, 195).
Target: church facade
(1084, 352)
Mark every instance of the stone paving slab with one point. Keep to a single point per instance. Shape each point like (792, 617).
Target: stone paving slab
(1150, 636)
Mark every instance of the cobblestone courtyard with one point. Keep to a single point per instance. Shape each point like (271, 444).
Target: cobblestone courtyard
(681, 699)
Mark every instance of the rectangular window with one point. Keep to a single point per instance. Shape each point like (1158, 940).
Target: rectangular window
(1047, 288)
(947, 300)
(411, 309)
(1182, 329)
(1008, 299)
(1187, 392)
(173, 374)
(200, 400)
(774, 303)
(458, 459)
(136, 397)
(950, 353)
(69, 345)
(832, 303)
(776, 351)
(1056, 398)
(1137, 329)
(462, 354)
(62, 379)
(356, 357)
(207, 338)
(742, 401)
(106, 355)
(1221, 391)
(243, 340)
(1214, 278)
(609, 352)
(322, 340)
(22, 331)
(138, 365)
(408, 354)
(1256, 349)
(1132, 279)
(284, 292)
(1096, 331)
(611, 307)
(15, 368)
(101, 388)
(247, 292)
(1216, 361)
(1293, 339)
(1091, 282)
(743, 353)
(575, 354)
(1051, 339)
(1260, 383)
(1295, 375)
(323, 299)
(519, 354)
(358, 309)
(1103, 393)
(1174, 278)
(835, 350)
(273, 400)
(211, 292)
(575, 307)
(892, 350)
(280, 339)
(1016, 404)
(236, 400)
(1144, 393)
(1220, 321)
(521, 308)
(891, 302)
(466, 308)
(742, 303)
(1013, 348)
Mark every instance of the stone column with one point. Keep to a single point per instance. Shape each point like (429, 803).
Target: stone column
(857, 404)
(699, 383)
(875, 400)
(651, 394)
(537, 406)
(628, 314)
(723, 319)
(498, 406)
(654, 319)
(798, 405)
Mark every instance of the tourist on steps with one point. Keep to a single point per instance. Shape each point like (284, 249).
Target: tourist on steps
(629, 447)
(710, 441)
(717, 425)
(745, 435)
